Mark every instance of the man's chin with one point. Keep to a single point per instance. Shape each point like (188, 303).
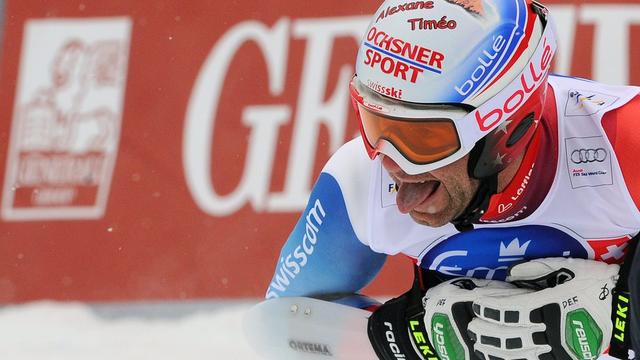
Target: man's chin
(432, 220)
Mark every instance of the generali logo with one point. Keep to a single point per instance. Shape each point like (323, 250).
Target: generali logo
(318, 106)
(66, 122)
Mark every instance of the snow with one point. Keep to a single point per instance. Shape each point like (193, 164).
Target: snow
(140, 331)
(158, 331)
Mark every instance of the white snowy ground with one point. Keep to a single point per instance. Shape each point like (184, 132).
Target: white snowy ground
(153, 331)
(156, 331)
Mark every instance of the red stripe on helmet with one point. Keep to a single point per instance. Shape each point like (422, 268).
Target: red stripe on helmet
(532, 17)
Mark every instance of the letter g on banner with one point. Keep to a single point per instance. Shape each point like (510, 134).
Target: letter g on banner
(264, 120)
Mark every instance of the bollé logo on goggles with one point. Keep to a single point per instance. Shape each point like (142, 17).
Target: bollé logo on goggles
(513, 101)
(398, 57)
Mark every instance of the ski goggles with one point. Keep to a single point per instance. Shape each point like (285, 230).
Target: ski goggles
(422, 138)
(411, 134)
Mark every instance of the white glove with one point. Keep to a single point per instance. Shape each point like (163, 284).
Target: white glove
(448, 311)
(568, 316)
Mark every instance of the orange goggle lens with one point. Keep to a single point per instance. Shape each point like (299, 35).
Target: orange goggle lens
(421, 141)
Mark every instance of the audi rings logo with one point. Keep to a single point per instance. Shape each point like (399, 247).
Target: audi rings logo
(581, 156)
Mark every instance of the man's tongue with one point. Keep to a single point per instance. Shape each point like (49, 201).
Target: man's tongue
(411, 195)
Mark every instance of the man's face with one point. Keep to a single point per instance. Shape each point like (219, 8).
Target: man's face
(434, 198)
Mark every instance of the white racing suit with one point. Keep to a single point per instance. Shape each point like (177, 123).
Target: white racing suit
(568, 199)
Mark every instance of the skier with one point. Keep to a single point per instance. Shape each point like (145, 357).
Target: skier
(514, 191)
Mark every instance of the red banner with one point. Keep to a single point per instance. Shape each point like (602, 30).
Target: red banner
(163, 150)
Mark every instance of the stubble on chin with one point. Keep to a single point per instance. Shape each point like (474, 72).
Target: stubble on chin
(433, 220)
(429, 220)
(455, 207)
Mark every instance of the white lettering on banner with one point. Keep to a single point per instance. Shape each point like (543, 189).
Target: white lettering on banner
(35, 169)
(565, 20)
(312, 112)
(200, 121)
(611, 58)
(315, 110)
(611, 37)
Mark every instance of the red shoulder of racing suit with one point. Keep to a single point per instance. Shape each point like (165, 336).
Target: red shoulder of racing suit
(622, 129)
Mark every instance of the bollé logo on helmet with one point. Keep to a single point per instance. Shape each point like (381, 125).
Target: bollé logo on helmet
(513, 101)
(398, 57)
(485, 63)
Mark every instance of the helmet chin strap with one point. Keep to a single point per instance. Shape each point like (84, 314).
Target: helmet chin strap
(480, 201)
(478, 204)
(488, 183)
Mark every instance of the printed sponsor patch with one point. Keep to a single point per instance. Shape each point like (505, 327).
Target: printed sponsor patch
(388, 190)
(585, 102)
(390, 91)
(488, 252)
(66, 120)
(588, 161)
(398, 57)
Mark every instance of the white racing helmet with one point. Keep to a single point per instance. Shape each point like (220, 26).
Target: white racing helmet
(436, 80)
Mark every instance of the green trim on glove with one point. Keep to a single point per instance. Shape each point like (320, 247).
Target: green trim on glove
(583, 335)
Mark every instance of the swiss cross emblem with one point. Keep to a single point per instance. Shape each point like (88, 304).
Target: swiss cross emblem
(611, 251)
